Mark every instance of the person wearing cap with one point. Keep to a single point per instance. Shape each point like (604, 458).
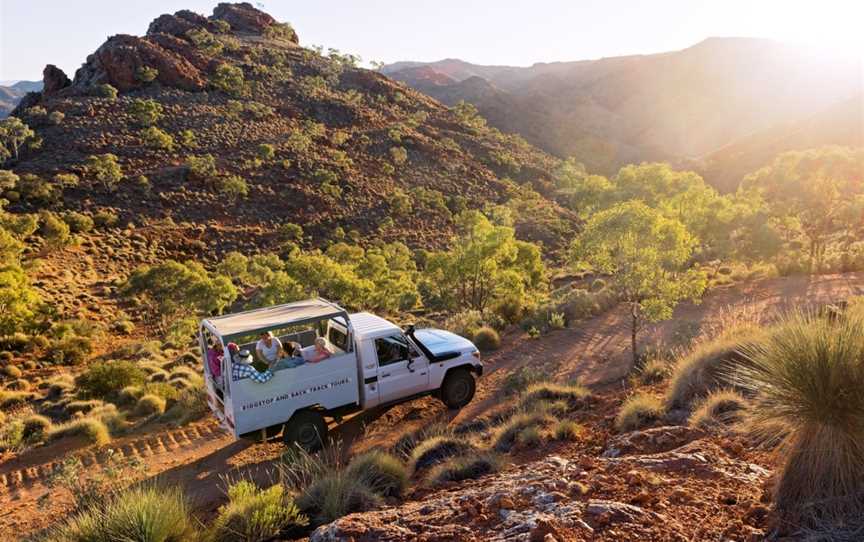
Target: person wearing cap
(242, 368)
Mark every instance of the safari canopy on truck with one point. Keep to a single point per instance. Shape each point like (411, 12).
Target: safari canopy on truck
(233, 327)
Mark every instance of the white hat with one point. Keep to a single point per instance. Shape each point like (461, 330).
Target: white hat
(244, 357)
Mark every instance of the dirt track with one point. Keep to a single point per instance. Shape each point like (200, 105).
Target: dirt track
(200, 457)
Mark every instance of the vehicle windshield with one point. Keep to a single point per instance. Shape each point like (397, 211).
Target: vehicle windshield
(438, 341)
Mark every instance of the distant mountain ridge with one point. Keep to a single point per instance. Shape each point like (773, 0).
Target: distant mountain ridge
(10, 95)
(676, 106)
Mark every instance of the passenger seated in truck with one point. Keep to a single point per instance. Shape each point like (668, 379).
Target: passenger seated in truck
(214, 360)
(322, 351)
(293, 357)
(242, 368)
(269, 349)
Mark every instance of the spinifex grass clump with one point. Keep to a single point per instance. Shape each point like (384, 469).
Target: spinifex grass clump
(807, 379)
(146, 513)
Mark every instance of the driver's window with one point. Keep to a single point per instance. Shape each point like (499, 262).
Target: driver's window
(392, 349)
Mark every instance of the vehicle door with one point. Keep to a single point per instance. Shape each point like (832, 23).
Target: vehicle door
(402, 370)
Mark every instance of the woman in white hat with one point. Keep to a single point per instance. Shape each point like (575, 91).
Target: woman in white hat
(242, 368)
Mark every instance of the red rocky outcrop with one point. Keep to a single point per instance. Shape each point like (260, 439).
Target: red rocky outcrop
(243, 17)
(53, 80)
(177, 24)
(118, 60)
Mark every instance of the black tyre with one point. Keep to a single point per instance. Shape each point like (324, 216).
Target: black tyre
(306, 429)
(458, 389)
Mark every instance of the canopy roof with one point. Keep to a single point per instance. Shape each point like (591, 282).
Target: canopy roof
(277, 316)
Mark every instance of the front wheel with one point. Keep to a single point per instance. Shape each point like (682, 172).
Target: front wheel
(307, 429)
(458, 389)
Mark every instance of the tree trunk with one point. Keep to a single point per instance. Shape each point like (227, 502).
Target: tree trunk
(634, 327)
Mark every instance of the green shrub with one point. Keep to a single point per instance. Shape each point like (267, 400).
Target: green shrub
(204, 41)
(330, 497)
(105, 218)
(146, 112)
(56, 117)
(149, 405)
(77, 222)
(254, 515)
(567, 430)
(71, 349)
(105, 91)
(399, 202)
(12, 435)
(434, 450)
(146, 74)
(53, 230)
(232, 187)
(93, 431)
(106, 379)
(229, 79)
(105, 169)
(289, 232)
(806, 379)
(702, 369)
(487, 339)
(465, 323)
(639, 411)
(457, 469)
(265, 151)
(720, 407)
(202, 167)
(156, 138)
(35, 427)
(381, 472)
(141, 514)
(557, 320)
(506, 436)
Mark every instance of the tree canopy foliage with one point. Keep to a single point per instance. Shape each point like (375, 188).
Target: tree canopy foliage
(485, 264)
(645, 254)
(817, 193)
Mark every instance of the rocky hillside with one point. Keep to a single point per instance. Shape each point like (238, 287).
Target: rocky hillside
(295, 136)
(667, 483)
(668, 106)
(10, 95)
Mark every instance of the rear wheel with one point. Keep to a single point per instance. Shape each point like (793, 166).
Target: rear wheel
(458, 389)
(307, 429)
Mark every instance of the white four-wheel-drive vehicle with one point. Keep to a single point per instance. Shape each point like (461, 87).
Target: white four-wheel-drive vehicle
(373, 363)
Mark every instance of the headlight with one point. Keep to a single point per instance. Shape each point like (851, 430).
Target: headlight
(476, 354)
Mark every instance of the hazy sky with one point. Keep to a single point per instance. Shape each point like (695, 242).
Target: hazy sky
(63, 32)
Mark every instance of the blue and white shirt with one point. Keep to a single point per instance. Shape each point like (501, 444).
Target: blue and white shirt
(239, 371)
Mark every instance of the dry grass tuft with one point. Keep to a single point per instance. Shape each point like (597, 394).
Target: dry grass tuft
(704, 367)
(461, 468)
(721, 407)
(806, 379)
(639, 411)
